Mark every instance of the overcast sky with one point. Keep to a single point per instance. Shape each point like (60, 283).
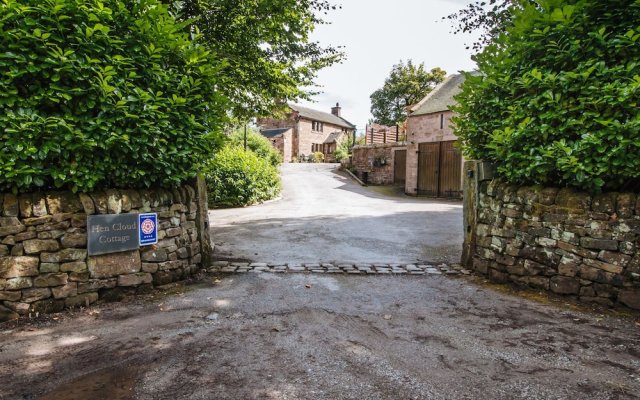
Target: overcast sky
(376, 35)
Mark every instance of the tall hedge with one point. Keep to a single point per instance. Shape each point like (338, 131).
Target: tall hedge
(236, 177)
(257, 143)
(557, 100)
(102, 93)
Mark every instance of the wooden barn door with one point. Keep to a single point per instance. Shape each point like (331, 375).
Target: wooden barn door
(428, 165)
(399, 166)
(439, 169)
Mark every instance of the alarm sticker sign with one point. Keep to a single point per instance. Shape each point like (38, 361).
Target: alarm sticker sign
(148, 228)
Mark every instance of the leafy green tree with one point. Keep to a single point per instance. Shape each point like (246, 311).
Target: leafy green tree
(490, 18)
(406, 85)
(109, 93)
(557, 98)
(268, 56)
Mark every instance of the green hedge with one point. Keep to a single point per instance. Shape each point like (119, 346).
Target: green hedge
(558, 98)
(257, 143)
(102, 93)
(237, 178)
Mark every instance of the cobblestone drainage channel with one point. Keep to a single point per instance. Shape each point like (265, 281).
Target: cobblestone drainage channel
(328, 268)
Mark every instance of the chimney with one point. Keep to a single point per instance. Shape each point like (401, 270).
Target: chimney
(336, 110)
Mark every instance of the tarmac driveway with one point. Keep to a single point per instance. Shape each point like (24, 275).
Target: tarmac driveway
(324, 216)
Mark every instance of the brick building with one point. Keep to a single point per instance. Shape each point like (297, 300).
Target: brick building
(434, 163)
(304, 131)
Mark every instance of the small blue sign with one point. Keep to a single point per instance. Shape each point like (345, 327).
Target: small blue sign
(148, 228)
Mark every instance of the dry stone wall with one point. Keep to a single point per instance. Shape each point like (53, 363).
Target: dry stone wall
(568, 242)
(44, 265)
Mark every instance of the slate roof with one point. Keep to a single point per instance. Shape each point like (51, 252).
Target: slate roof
(333, 137)
(270, 133)
(441, 97)
(316, 115)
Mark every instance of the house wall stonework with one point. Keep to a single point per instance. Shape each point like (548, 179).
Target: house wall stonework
(561, 240)
(283, 144)
(421, 129)
(307, 136)
(272, 123)
(287, 145)
(44, 264)
(365, 159)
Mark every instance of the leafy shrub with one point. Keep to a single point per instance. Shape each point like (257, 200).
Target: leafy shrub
(106, 93)
(236, 178)
(557, 101)
(258, 144)
(341, 154)
(318, 157)
(343, 151)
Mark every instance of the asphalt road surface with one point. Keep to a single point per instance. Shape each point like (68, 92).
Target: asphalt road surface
(324, 216)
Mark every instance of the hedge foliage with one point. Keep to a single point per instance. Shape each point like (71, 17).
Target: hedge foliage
(236, 177)
(102, 93)
(257, 143)
(558, 97)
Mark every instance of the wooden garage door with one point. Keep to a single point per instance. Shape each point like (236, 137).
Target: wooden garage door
(428, 165)
(399, 166)
(450, 170)
(439, 169)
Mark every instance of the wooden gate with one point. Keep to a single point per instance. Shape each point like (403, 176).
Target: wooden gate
(439, 169)
(399, 166)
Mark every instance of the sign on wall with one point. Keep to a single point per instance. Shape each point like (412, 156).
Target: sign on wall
(148, 233)
(112, 233)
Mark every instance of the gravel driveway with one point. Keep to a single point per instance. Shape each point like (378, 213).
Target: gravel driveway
(324, 216)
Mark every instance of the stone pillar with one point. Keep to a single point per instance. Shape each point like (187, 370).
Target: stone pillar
(469, 211)
(202, 221)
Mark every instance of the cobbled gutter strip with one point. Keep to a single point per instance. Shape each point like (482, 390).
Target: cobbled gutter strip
(346, 268)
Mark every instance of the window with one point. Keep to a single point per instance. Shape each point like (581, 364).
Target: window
(441, 121)
(330, 150)
(317, 126)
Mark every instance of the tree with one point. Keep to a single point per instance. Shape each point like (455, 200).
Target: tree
(556, 100)
(268, 56)
(490, 18)
(406, 85)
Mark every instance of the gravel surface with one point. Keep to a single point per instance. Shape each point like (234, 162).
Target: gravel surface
(324, 216)
(312, 336)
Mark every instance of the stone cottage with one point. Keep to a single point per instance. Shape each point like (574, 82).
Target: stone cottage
(434, 163)
(305, 131)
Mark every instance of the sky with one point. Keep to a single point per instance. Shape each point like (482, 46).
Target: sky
(376, 34)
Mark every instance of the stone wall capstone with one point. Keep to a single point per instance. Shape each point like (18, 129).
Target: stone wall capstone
(561, 240)
(44, 265)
